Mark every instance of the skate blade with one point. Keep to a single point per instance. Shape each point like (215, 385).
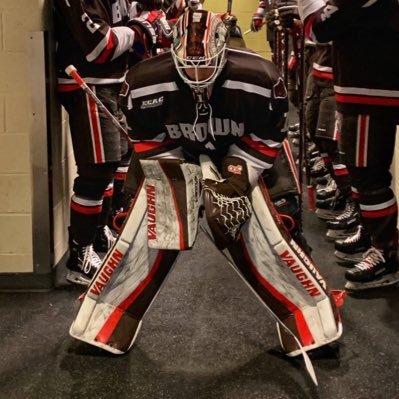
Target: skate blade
(349, 258)
(384, 281)
(77, 278)
(327, 214)
(333, 235)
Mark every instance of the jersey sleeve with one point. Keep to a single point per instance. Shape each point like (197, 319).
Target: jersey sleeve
(325, 21)
(90, 25)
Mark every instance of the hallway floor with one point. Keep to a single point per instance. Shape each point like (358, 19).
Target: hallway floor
(206, 336)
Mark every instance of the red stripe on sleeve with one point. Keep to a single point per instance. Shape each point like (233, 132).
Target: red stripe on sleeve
(308, 26)
(144, 146)
(261, 147)
(104, 56)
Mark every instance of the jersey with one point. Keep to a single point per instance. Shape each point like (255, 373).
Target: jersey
(246, 108)
(91, 35)
(365, 37)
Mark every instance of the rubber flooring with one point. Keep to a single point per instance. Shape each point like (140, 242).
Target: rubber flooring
(206, 336)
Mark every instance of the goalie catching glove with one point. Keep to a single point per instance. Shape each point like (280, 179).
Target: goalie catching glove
(227, 203)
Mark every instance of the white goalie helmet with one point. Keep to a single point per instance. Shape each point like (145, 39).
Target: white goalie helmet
(199, 47)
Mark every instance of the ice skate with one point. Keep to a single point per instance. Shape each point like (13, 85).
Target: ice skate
(373, 271)
(344, 223)
(327, 191)
(351, 249)
(104, 239)
(82, 264)
(331, 207)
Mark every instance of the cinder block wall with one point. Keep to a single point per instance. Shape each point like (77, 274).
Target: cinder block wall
(17, 18)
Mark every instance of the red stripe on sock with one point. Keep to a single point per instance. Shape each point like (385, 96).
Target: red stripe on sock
(381, 213)
(87, 210)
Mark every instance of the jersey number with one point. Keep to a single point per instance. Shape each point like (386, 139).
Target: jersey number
(119, 10)
(90, 25)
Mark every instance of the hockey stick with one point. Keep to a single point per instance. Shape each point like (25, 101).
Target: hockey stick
(250, 30)
(229, 6)
(73, 73)
(308, 362)
(300, 43)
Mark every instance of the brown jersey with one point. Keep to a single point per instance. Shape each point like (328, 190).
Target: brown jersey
(247, 108)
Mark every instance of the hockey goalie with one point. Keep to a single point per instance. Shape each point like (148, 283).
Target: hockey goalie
(206, 121)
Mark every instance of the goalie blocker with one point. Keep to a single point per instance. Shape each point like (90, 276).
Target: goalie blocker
(280, 273)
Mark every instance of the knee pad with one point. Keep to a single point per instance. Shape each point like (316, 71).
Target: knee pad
(93, 179)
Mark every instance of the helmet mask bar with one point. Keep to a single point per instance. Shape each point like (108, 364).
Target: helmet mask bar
(213, 65)
(199, 48)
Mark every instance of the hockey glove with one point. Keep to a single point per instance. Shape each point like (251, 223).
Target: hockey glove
(257, 22)
(272, 20)
(144, 38)
(227, 205)
(229, 20)
(287, 12)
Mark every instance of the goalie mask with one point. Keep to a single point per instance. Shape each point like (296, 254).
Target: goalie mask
(199, 47)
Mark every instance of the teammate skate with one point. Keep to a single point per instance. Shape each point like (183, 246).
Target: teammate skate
(368, 103)
(352, 248)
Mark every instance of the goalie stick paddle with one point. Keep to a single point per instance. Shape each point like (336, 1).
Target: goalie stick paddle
(74, 74)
